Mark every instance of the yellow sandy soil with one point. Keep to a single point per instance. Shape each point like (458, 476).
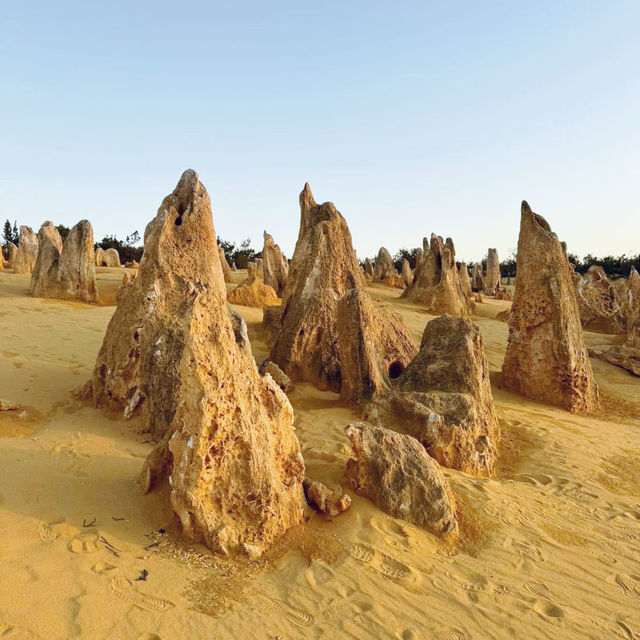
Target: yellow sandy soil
(550, 547)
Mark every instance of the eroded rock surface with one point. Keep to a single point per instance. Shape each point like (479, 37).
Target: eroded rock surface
(66, 270)
(546, 357)
(27, 254)
(323, 268)
(436, 284)
(275, 266)
(253, 292)
(331, 502)
(395, 472)
(492, 280)
(110, 258)
(226, 269)
(384, 266)
(601, 308)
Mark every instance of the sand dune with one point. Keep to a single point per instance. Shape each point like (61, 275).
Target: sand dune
(550, 547)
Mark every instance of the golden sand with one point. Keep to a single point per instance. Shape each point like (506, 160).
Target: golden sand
(550, 547)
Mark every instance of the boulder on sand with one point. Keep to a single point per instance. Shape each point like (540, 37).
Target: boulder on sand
(323, 269)
(396, 473)
(546, 357)
(275, 267)
(436, 284)
(443, 398)
(66, 271)
(27, 254)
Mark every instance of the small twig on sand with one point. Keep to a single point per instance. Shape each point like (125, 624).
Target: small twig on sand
(110, 547)
(88, 524)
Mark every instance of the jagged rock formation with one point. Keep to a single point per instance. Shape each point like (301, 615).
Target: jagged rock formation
(384, 266)
(492, 280)
(331, 502)
(465, 280)
(396, 473)
(627, 355)
(323, 269)
(175, 357)
(477, 279)
(110, 258)
(226, 269)
(443, 398)
(136, 372)
(546, 357)
(368, 267)
(253, 292)
(276, 268)
(436, 283)
(25, 258)
(373, 347)
(407, 274)
(66, 270)
(601, 309)
(49, 250)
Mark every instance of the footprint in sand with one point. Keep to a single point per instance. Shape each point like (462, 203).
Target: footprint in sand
(385, 564)
(103, 568)
(395, 533)
(85, 542)
(548, 610)
(123, 589)
(295, 616)
(480, 583)
(630, 585)
(46, 533)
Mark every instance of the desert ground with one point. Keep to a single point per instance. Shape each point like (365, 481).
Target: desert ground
(549, 547)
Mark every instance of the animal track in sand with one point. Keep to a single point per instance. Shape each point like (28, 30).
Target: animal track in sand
(46, 533)
(123, 589)
(538, 589)
(631, 586)
(85, 542)
(295, 616)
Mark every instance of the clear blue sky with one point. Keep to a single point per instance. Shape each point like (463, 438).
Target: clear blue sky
(411, 117)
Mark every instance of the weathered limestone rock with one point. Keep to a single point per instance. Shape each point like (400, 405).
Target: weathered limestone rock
(253, 292)
(25, 259)
(368, 267)
(234, 267)
(465, 280)
(407, 274)
(503, 316)
(229, 450)
(373, 347)
(394, 280)
(137, 369)
(133, 264)
(620, 287)
(324, 267)
(49, 250)
(226, 269)
(278, 375)
(396, 473)
(271, 316)
(444, 398)
(436, 283)
(384, 266)
(111, 258)
(477, 279)
(65, 271)
(601, 309)
(546, 357)
(627, 355)
(493, 278)
(99, 256)
(276, 268)
(327, 501)
(13, 252)
(503, 294)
